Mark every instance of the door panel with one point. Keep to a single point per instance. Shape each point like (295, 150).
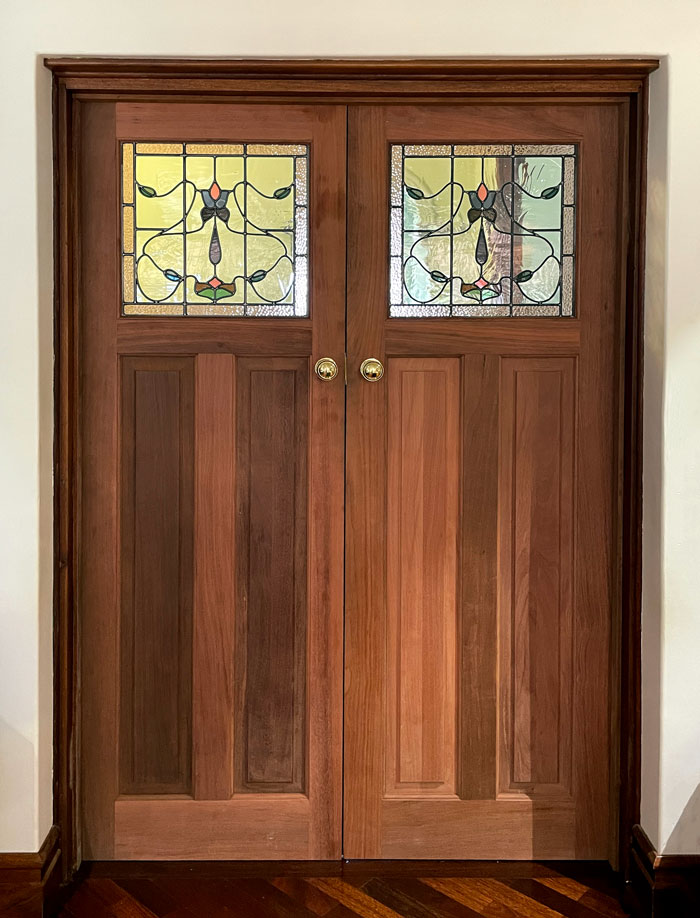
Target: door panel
(422, 521)
(212, 499)
(480, 597)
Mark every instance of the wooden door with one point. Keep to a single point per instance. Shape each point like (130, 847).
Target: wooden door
(482, 484)
(211, 487)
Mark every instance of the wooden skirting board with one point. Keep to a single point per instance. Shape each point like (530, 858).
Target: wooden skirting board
(661, 885)
(29, 882)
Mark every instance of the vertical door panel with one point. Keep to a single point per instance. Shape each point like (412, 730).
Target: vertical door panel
(536, 571)
(422, 521)
(215, 557)
(480, 606)
(212, 493)
(157, 503)
(272, 438)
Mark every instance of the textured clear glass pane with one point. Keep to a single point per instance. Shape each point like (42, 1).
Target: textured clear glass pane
(569, 181)
(480, 229)
(483, 149)
(396, 175)
(301, 286)
(427, 149)
(419, 311)
(301, 232)
(568, 231)
(215, 229)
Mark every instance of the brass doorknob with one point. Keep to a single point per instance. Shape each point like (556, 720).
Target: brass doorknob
(372, 369)
(326, 368)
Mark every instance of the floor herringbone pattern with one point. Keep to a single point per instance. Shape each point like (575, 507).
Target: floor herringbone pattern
(503, 891)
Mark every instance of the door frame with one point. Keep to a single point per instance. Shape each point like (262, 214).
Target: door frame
(78, 79)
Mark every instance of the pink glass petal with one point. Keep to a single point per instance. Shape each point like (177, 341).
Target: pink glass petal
(214, 282)
(481, 192)
(481, 283)
(215, 191)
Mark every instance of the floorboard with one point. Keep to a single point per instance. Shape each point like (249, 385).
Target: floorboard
(376, 889)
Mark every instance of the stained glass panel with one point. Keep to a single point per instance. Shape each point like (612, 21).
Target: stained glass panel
(482, 230)
(214, 229)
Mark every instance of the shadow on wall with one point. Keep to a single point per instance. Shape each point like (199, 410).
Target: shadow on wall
(16, 789)
(654, 383)
(686, 833)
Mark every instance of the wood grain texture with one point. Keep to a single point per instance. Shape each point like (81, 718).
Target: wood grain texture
(98, 457)
(537, 421)
(249, 826)
(287, 735)
(271, 607)
(157, 518)
(422, 520)
(354, 891)
(29, 881)
(365, 510)
(526, 511)
(477, 692)
(214, 585)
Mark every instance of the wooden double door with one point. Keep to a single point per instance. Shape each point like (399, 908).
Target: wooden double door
(368, 615)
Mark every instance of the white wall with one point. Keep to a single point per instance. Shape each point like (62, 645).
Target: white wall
(284, 28)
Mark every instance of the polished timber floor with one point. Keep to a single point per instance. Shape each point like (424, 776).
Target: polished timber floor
(372, 890)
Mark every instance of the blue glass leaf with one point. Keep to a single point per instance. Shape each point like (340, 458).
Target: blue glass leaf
(257, 276)
(439, 277)
(414, 193)
(281, 192)
(550, 192)
(147, 191)
(172, 275)
(522, 277)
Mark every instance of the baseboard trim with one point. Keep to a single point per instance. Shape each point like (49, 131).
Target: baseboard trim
(29, 882)
(661, 885)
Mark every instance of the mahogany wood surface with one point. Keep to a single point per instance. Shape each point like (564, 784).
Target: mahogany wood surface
(212, 484)
(157, 529)
(215, 585)
(370, 890)
(422, 519)
(271, 574)
(544, 527)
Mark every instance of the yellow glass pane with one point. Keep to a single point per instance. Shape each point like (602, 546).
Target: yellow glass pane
(428, 174)
(277, 149)
(152, 309)
(230, 171)
(128, 173)
(159, 148)
(200, 170)
(128, 278)
(269, 176)
(212, 149)
(128, 229)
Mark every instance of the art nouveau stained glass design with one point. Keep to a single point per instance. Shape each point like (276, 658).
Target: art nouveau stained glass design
(482, 230)
(214, 229)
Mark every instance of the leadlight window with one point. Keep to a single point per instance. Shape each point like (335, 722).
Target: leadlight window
(214, 229)
(482, 230)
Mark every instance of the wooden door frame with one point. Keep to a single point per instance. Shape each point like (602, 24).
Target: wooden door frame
(436, 81)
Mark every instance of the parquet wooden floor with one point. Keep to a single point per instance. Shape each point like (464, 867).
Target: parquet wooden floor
(379, 890)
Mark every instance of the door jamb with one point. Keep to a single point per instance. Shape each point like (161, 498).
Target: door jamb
(336, 81)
